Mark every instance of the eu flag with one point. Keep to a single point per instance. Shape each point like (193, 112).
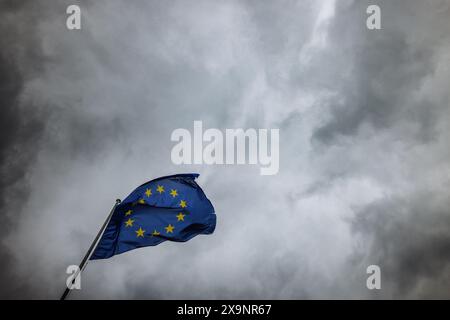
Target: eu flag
(170, 208)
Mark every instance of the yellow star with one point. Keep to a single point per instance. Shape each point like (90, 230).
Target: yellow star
(128, 212)
(155, 233)
(148, 192)
(140, 232)
(141, 201)
(169, 228)
(183, 204)
(173, 193)
(160, 189)
(129, 222)
(181, 216)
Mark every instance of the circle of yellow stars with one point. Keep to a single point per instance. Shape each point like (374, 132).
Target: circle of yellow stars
(169, 228)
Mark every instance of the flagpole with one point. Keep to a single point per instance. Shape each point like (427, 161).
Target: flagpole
(91, 249)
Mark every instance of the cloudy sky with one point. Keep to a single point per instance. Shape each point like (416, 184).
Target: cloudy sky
(364, 145)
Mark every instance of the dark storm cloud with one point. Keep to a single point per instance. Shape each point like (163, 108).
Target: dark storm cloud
(363, 117)
(391, 93)
(24, 120)
(18, 133)
(409, 240)
(386, 68)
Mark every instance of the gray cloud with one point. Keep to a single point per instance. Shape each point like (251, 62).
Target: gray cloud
(370, 98)
(409, 239)
(19, 134)
(363, 118)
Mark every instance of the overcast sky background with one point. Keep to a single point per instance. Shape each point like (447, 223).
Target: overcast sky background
(364, 145)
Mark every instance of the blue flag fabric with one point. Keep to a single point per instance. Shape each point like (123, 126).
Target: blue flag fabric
(170, 208)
